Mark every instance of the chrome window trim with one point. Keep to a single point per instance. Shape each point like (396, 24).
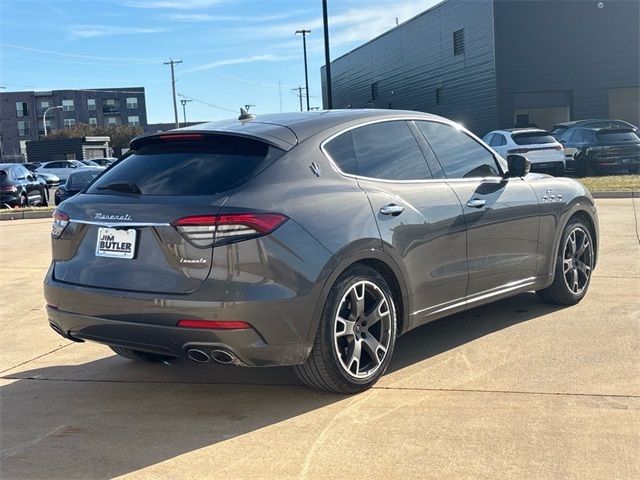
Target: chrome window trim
(450, 123)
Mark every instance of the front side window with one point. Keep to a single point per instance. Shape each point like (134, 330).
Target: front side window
(67, 105)
(389, 151)
(460, 155)
(499, 140)
(132, 102)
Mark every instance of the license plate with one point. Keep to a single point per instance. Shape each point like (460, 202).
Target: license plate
(116, 243)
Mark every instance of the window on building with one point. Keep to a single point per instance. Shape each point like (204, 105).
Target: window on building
(44, 104)
(41, 127)
(69, 122)
(374, 91)
(110, 105)
(438, 95)
(21, 109)
(24, 129)
(67, 105)
(112, 121)
(458, 42)
(133, 120)
(460, 155)
(93, 121)
(132, 103)
(91, 104)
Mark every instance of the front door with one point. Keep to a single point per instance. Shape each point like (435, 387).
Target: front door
(501, 215)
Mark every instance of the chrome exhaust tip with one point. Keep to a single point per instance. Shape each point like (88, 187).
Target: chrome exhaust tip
(223, 357)
(197, 355)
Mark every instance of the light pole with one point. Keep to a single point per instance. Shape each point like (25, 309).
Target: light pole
(184, 109)
(44, 117)
(327, 57)
(306, 75)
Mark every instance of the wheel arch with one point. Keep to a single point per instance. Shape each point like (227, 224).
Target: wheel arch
(385, 266)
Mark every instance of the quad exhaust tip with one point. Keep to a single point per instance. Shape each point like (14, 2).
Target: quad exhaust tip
(197, 355)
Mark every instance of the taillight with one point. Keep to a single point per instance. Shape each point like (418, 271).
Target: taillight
(517, 150)
(206, 230)
(8, 188)
(559, 148)
(214, 324)
(60, 222)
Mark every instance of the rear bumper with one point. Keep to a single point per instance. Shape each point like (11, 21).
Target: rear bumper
(246, 345)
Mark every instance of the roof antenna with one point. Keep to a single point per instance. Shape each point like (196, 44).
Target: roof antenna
(245, 115)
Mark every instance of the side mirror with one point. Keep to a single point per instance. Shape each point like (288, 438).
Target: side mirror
(31, 178)
(562, 141)
(518, 165)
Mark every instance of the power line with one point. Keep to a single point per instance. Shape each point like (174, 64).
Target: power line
(173, 63)
(207, 104)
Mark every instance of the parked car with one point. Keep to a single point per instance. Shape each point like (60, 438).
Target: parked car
(310, 239)
(19, 188)
(543, 151)
(590, 150)
(60, 168)
(560, 128)
(90, 163)
(76, 182)
(105, 162)
(50, 179)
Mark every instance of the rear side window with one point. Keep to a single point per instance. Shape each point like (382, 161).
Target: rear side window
(460, 155)
(207, 167)
(532, 138)
(389, 151)
(341, 151)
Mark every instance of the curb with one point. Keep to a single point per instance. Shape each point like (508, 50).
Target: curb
(25, 215)
(615, 194)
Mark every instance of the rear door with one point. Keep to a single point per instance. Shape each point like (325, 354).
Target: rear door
(419, 218)
(501, 215)
(145, 225)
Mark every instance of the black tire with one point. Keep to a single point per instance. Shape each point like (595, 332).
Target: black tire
(24, 201)
(559, 292)
(325, 367)
(583, 167)
(634, 169)
(140, 356)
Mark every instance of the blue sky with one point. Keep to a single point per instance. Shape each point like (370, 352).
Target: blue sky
(234, 51)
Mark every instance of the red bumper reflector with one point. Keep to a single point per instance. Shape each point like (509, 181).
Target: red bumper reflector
(214, 324)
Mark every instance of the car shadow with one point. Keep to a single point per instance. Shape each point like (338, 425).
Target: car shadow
(110, 417)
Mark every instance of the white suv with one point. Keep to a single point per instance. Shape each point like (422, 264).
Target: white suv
(544, 152)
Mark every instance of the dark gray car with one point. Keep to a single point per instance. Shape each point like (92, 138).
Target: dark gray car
(311, 239)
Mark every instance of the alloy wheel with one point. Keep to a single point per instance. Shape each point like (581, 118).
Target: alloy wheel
(577, 260)
(362, 329)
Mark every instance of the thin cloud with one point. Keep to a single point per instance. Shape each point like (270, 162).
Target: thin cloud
(236, 61)
(136, 61)
(92, 31)
(205, 17)
(171, 4)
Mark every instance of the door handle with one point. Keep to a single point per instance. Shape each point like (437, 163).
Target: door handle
(476, 203)
(392, 209)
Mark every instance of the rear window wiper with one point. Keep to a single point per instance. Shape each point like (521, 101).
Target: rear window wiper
(126, 187)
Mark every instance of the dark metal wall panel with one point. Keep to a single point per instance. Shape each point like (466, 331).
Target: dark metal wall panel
(411, 61)
(48, 150)
(585, 47)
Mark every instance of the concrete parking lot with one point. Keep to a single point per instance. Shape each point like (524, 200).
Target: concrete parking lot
(518, 389)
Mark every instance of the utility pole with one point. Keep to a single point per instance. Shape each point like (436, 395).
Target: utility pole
(173, 63)
(184, 102)
(298, 92)
(306, 75)
(327, 57)
(280, 94)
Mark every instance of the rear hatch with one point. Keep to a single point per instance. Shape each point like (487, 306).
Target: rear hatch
(538, 146)
(138, 227)
(616, 144)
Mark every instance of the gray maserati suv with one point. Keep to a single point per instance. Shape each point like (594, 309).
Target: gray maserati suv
(308, 239)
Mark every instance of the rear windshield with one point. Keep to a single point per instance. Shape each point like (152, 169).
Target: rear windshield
(617, 137)
(533, 138)
(213, 165)
(82, 179)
